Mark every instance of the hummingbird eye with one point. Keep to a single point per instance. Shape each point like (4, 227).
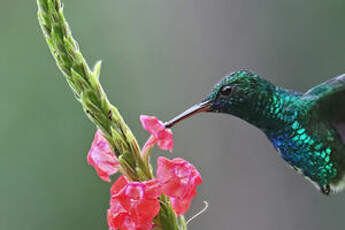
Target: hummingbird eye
(226, 90)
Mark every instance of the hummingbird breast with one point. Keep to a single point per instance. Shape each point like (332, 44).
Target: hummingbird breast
(314, 149)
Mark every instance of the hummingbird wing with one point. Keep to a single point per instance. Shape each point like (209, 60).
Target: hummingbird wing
(328, 102)
(328, 98)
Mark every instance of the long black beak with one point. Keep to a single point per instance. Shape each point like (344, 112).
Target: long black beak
(198, 108)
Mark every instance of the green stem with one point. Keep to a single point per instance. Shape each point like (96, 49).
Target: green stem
(85, 83)
(183, 223)
(88, 91)
(167, 216)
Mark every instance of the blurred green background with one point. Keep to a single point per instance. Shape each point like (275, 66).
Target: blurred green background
(161, 56)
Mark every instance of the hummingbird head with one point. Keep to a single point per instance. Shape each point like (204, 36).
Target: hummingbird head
(237, 93)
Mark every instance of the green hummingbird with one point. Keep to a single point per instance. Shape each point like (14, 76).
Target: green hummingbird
(308, 129)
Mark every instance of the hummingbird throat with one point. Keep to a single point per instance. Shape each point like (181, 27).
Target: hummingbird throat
(272, 110)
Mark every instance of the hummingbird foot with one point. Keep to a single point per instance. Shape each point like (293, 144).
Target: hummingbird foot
(325, 189)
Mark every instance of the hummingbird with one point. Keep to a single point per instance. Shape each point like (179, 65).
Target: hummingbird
(307, 129)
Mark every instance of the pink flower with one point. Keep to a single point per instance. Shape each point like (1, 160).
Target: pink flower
(133, 205)
(160, 135)
(179, 180)
(102, 158)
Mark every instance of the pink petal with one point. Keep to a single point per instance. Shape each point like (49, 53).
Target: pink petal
(133, 205)
(165, 140)
(149, 144)
(151, 124)
(179, 180)
(162, 136)
(131, 195)
(147, 209)
(102, 158)
(116, 217)
(153, 188)
(119, 184)
(128, 224)
(180, 206)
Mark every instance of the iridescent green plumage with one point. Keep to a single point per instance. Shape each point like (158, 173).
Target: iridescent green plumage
(307, 129)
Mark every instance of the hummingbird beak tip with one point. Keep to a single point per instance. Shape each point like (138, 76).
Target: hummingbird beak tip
(198, 108)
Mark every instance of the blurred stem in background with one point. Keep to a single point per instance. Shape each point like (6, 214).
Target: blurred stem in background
(89, 92)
